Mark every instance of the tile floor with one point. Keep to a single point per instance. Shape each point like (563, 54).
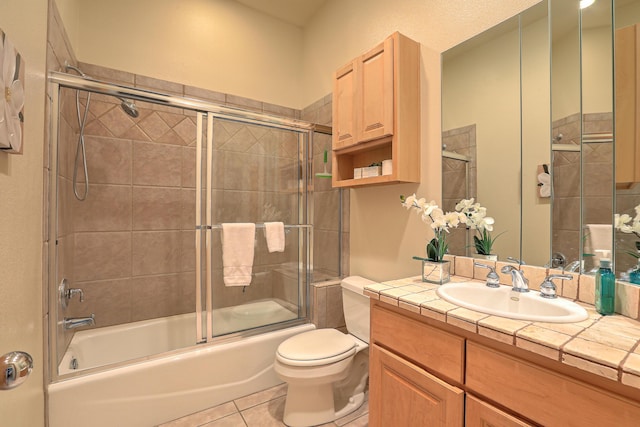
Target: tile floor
(262, 409)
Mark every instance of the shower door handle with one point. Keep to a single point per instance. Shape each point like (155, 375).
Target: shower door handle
(15, 367)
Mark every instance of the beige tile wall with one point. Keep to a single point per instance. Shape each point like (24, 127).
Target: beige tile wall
(454, 180)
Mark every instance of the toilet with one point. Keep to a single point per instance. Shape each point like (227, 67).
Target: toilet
(327, 370)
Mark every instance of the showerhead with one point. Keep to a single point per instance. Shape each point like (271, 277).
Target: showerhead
(129, 107)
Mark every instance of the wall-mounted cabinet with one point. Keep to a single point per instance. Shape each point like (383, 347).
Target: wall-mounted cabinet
(376, 114)
(627, 98)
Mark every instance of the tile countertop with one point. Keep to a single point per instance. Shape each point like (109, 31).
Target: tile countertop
(608, 346)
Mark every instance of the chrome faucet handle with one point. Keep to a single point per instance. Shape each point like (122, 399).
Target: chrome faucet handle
(75, 291)
(493, 280)
(548, 288)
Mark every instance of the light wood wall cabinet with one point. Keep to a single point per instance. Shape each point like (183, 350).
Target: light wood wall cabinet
(627, 78)
(376, 113)
(421, 369)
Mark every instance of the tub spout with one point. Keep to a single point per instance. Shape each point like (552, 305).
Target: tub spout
(76, 322)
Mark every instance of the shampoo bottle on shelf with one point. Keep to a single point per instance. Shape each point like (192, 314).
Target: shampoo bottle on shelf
(605, 286)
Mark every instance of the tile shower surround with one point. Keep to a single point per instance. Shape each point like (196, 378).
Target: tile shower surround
(129, 245)
(461, 140)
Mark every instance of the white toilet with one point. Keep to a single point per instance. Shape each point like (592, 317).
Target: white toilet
(327, 370)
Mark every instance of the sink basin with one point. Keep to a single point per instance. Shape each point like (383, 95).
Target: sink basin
(504, 302)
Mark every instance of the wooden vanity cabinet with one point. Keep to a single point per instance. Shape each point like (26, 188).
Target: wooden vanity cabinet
(406, 395)
(481, 414)
(422, 365)
(376, 113)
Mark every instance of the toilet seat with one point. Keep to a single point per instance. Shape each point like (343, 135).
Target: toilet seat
(316, 348)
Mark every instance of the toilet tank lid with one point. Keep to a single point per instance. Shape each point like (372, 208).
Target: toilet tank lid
(356, 284)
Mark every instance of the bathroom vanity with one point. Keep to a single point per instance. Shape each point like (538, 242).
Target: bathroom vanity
(433, 363)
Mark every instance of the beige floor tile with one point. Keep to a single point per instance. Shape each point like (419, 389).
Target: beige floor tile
(261, 397)
(202, 417)
(363, 421)
(267, 414)
(362, 410)
(234, 420)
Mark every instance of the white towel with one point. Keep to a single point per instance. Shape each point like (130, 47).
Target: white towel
(600, 238)
(274, 233)
(237, 253)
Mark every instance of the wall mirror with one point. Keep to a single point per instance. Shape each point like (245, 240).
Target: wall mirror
(528, 130)
(494, 116)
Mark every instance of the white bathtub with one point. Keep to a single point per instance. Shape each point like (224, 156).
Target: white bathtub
(153, 391)
(93, 348)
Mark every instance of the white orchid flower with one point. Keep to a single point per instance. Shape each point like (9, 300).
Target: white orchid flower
(11, 98)
(464, 204)
(408, 202)
(430, 207)
(620, 223)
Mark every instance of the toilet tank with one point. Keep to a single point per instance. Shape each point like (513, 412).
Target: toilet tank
(355, 305)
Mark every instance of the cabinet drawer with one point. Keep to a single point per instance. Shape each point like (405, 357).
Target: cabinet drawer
(481, 414)
(429, 347)
(543, 396)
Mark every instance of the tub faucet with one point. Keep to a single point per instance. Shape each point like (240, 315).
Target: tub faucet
(519, 282)
(76, 322)
(573, 267)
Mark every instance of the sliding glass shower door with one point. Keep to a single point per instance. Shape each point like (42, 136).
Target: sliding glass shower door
(251, 172)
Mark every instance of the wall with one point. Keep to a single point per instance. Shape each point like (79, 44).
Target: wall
(384, 236)
(219, 45)
(21, 231)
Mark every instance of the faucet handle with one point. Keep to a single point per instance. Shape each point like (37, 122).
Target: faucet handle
(75, 291)
(493, 280)
(548, 288)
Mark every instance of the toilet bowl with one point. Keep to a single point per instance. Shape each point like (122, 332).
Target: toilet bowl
(327, 370)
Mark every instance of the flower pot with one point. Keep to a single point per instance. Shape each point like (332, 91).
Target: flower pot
(490, 257)
(438, 272)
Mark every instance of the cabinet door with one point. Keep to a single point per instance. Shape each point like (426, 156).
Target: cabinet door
(344, 117)
(627, 100)
(375, 92)
(402, 394)
(481, 414)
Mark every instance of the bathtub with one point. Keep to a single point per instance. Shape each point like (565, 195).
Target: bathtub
(165, 387)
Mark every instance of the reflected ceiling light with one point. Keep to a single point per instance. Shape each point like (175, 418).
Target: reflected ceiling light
(586, 3)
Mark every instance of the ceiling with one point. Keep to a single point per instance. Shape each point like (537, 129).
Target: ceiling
(296, 12)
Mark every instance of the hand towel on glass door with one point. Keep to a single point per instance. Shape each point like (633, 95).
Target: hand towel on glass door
(237, 253)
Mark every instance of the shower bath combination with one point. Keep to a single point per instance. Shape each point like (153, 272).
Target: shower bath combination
(127, 105)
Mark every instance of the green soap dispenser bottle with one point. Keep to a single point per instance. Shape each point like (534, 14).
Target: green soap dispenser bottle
(605, 286)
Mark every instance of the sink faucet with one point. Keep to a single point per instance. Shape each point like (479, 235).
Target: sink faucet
(76, 322)
(548, 288)
(519, 282)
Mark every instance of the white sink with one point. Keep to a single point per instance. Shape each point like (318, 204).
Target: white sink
(504, 302)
